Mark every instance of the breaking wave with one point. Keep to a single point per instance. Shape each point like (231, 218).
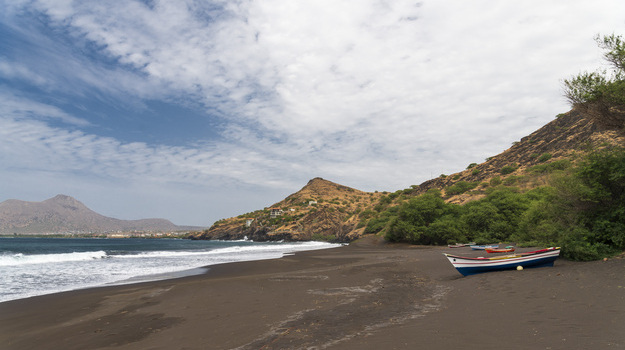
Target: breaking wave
(9, 259)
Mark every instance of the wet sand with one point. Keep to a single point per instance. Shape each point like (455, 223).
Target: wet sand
(368, 295)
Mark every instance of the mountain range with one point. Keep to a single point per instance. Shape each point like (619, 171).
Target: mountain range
(64, 214)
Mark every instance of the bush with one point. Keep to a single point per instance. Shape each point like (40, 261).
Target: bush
(510, 180)
(367, 213)
(550, 167)
(376, 225)
(508, 169)
(460, 187)
(602, 197)
(495, 181)
(576, 246)
(414, 216)
(445, 230)
(544, 157)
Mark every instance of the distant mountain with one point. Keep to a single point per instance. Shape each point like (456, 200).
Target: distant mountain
(66, 214)
(342, 213)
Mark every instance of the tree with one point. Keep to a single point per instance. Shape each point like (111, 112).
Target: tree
(603, 177)
(603, 87)
(414, 217)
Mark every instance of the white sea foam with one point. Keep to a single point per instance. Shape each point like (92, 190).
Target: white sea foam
(24, 275)
(22, 259)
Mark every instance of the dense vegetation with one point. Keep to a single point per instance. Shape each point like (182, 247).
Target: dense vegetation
(582, 209)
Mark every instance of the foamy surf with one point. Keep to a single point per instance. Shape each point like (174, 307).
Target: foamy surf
(31, 267)
(22, 259)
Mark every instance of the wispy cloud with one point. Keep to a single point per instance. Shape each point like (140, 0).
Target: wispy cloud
(22, 108)
(374, 94)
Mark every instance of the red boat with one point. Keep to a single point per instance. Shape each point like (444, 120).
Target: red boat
(500, 250)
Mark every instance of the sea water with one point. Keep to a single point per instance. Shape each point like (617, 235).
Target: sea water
(37, 266)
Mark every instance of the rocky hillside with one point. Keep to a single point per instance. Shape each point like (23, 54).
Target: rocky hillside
(527, 163)
(321, 210)
(65, 214)
(341, 213)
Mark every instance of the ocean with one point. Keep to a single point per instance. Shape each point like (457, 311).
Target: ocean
(37, 266)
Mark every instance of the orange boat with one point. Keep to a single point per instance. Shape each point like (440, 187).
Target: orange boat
(500, 250)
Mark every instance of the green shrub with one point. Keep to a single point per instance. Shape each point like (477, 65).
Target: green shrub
(376, 225)
(460, 187)
(544, 157)
(367, 213)
(495, 181)
(508, 169)
(547, 168)
(578, 245)
(510, 180)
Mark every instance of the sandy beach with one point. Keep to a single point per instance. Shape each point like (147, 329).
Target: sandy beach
(368, 295)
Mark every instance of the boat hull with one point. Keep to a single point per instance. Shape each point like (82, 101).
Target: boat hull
(484, 247)
(460, 245)
(471, 266)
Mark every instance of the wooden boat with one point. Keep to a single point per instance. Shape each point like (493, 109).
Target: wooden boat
(500, 250)
(460, 245)
(483, 247)
(539, 258)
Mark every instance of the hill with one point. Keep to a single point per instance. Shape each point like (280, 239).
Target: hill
(321, 210)
(343, 214)
(529, 161)
(64, 214)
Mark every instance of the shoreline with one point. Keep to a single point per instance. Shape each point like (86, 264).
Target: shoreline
(151, 264)
(367, 295)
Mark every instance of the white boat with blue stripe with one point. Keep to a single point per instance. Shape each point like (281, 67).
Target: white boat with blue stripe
(470, 266)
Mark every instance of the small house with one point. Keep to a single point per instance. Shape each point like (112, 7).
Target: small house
(275, 212)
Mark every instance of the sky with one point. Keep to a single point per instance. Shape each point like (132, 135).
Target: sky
(195, 111)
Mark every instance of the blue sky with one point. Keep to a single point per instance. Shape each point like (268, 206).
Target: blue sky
(199, 110)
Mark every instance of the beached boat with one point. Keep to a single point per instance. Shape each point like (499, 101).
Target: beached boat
(483, 247)
(460, 245)
(500, 250)
(539, 258)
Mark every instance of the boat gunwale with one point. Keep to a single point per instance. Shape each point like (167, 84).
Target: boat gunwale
(507, 257)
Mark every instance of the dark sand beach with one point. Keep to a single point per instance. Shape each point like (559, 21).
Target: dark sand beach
(368, 295)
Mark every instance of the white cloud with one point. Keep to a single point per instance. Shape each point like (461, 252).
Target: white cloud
(373, 94)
